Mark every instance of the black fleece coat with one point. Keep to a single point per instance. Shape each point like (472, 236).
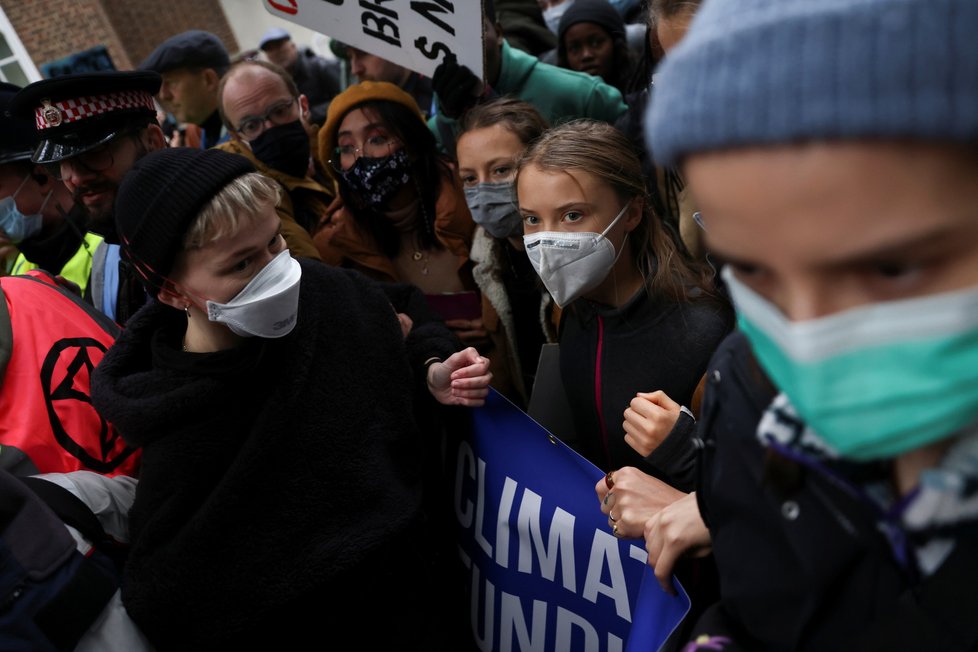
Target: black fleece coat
(607, 355)
(803, 562)
(280, 491)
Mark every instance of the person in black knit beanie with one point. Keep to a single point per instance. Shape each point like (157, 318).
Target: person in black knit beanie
(280, 499)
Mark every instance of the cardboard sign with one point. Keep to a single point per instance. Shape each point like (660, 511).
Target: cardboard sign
(416, 34)
(545, 571)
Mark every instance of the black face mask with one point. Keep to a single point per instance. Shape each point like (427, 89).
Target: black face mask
(375, 180)
(284, 148)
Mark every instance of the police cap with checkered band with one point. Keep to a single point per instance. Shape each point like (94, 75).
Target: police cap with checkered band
(75, 113)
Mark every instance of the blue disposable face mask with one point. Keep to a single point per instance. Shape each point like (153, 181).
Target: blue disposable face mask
(15, 224)
(493, 207)
(874, 381)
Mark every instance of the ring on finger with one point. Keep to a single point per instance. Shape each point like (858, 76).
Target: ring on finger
(614, 530)
(612, 517)
(609, 479)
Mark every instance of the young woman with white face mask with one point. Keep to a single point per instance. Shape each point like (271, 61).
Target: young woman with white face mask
(639, 320)
(275, 401)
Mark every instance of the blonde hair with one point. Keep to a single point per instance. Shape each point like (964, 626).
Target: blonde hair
(240, 201)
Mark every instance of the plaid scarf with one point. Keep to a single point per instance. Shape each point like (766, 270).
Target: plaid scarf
(927, 521)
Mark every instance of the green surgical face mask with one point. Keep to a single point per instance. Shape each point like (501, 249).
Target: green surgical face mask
(875, 381)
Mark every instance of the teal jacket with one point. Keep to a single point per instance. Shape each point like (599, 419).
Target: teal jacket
(557, 93)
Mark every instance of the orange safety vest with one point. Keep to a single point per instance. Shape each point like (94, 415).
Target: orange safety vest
(50, 342)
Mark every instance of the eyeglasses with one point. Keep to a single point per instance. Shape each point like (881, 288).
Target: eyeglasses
(96, 160)
(279, 113)
(378, 146)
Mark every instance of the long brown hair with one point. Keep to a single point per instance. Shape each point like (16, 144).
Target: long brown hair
(599, 149)
(517, 116)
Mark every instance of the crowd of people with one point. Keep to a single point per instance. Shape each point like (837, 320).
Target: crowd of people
(746, 224)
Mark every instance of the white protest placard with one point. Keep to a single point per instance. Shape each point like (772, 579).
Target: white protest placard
(416, 34)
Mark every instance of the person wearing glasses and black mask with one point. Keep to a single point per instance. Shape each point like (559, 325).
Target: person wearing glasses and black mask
(90, 129)
(268, 120)
(404, 217)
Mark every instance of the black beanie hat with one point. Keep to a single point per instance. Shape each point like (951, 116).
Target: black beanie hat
(160, 197)
(599, 12)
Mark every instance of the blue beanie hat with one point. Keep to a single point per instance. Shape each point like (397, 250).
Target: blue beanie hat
(756, 72)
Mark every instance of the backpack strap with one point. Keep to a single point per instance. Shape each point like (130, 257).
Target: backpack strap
(6, 336)
(69, 507)
(73, 511)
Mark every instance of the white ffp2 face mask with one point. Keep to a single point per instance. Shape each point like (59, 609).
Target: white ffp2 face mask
(268, 305)
(571, 264)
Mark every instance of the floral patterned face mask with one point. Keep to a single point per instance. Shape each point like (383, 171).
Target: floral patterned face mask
(376, 180)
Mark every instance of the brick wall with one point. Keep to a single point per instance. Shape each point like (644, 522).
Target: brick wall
(129, 29)
(52, 29)
(144, 24)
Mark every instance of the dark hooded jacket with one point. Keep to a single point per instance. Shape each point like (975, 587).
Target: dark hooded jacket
(280, 497)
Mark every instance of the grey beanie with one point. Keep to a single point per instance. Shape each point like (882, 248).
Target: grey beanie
(755, 72)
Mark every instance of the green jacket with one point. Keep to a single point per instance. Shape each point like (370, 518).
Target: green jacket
(557, 93)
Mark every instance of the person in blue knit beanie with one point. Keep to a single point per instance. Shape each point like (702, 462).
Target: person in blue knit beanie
(830, 146)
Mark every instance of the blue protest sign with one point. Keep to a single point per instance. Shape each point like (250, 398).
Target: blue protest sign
(545, 572)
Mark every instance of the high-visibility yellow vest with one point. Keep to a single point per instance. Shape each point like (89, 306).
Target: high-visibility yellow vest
(78, 269)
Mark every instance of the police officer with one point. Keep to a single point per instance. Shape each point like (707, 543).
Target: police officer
(90, 129)
(39, 225)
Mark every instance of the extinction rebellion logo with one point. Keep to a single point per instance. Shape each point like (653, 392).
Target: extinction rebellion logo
(65, 377)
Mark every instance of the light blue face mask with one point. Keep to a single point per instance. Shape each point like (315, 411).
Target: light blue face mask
(493, 207)
(553, 15)
(875, 381)
(15, 224)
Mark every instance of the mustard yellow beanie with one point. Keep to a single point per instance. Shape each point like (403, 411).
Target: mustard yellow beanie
(352, 97)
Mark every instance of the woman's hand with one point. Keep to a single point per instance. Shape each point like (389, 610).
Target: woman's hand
(633, 498)
(677, 530)
(649, 419)
(462, 379)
